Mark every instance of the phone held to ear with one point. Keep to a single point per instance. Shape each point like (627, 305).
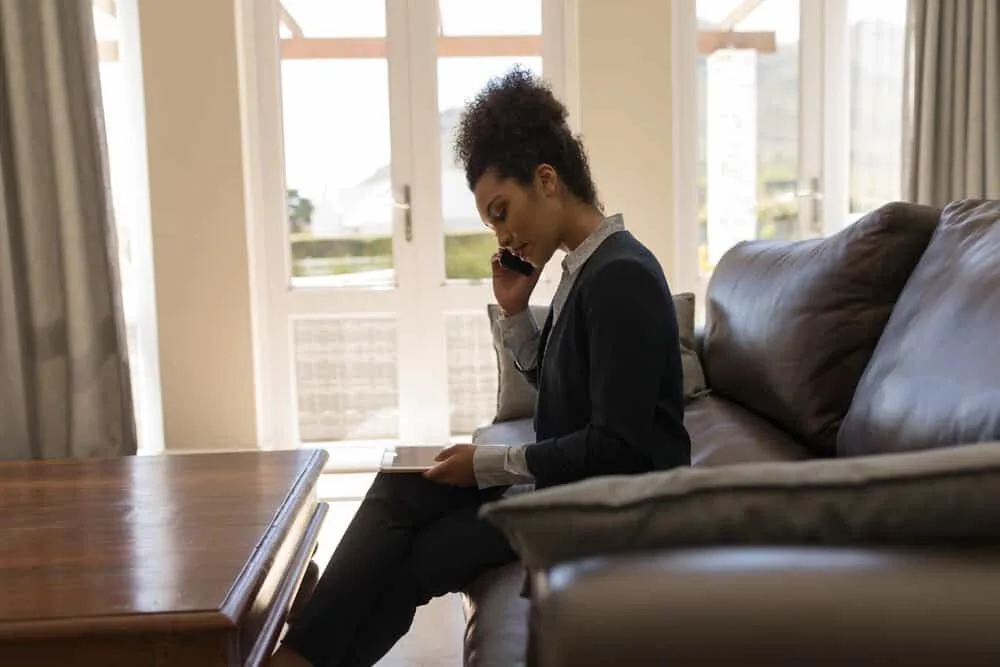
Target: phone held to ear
(514, 263)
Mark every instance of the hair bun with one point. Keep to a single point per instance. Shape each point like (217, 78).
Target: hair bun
(516, 123)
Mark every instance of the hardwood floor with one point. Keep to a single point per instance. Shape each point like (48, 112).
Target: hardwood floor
(435, 640)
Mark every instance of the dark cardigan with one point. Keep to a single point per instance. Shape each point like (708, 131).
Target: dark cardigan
(609, 375)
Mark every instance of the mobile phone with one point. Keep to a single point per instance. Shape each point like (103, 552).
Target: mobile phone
(515, 263)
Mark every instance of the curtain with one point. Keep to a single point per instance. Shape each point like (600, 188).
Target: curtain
(953, 123)
(64, 380)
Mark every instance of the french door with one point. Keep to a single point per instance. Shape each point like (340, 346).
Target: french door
(789, 116)
(371, 261)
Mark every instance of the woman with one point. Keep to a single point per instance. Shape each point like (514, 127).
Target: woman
(606, 363)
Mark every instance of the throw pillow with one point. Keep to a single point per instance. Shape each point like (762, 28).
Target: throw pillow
(934, 380)
(516, 396)
(791, 326)
(934, 496)
(694, 376)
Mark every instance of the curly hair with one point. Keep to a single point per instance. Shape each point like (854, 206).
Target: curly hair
(515, 124)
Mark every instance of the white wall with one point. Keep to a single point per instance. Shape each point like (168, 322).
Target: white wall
(625, 100)
(197, 211)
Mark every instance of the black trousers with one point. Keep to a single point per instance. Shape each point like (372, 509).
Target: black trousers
(411, 540)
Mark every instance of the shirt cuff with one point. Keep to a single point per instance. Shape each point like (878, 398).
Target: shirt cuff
(500, 465)
(520, 336)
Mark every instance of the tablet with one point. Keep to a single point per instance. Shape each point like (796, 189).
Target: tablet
(409, 459)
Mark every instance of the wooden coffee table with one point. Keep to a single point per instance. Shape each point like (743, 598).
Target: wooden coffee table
(185, 560)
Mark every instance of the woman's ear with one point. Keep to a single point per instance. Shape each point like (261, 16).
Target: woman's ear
(547, 180)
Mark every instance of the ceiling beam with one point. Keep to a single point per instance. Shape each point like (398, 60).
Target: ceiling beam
(107, 6)
(289, 22)
(317, 48)
(710, 41)
(739, 13)
(374, 47)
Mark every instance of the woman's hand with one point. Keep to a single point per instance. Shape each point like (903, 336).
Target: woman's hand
(512, 289)
(454, 467)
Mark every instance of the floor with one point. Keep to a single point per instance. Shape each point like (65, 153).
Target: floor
(435, 640)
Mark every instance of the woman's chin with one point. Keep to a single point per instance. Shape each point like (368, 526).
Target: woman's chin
(537, 260)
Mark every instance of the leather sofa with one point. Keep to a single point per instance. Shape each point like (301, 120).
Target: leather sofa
(797, 336)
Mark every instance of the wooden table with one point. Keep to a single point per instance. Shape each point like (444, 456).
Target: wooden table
(185, 560)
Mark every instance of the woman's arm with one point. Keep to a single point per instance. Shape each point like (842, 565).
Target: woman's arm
(520, 336)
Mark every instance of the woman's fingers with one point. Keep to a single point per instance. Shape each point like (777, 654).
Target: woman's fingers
(445, 453)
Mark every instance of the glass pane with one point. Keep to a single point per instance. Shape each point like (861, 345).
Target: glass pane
(748, 120)
(338, 171)
(120, 98)
(468, 245)
(877, 42)
(472, 372)
(334, 18)
(467, 18)
(346, 378)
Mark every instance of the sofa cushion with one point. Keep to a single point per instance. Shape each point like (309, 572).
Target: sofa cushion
(934, 379)
(791, 326)
(923, 497)
(724, 433)
(516, 396)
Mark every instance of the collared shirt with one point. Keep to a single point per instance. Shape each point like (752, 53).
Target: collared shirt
(497, 465)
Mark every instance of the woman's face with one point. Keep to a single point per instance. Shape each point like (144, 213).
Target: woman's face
(527, 220)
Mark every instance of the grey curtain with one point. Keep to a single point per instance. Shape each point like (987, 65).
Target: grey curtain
(64, 382)
(953, 124)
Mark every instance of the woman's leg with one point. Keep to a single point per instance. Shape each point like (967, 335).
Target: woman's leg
(446, 557)
(396, 509)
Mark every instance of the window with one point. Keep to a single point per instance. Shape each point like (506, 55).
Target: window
(789, 115)
(116, 29)
(748, 125)
(876, 46)
(376, 327)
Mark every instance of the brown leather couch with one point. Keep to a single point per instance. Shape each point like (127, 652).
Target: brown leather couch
(789, 350)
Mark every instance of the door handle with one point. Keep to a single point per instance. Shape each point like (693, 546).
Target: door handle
(405, 207)
(815, 196)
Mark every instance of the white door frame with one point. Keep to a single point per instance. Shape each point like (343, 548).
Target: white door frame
(422, 295)
(824, 151)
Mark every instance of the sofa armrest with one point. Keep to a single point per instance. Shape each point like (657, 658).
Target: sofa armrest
(775, 606)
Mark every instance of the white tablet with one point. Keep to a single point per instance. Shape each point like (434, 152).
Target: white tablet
(409, 459)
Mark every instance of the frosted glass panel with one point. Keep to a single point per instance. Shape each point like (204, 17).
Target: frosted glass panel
(346, 378)
(472, 371)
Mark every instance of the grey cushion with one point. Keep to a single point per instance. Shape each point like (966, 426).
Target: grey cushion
(694, 376)
(933, 496)
(516, 396)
